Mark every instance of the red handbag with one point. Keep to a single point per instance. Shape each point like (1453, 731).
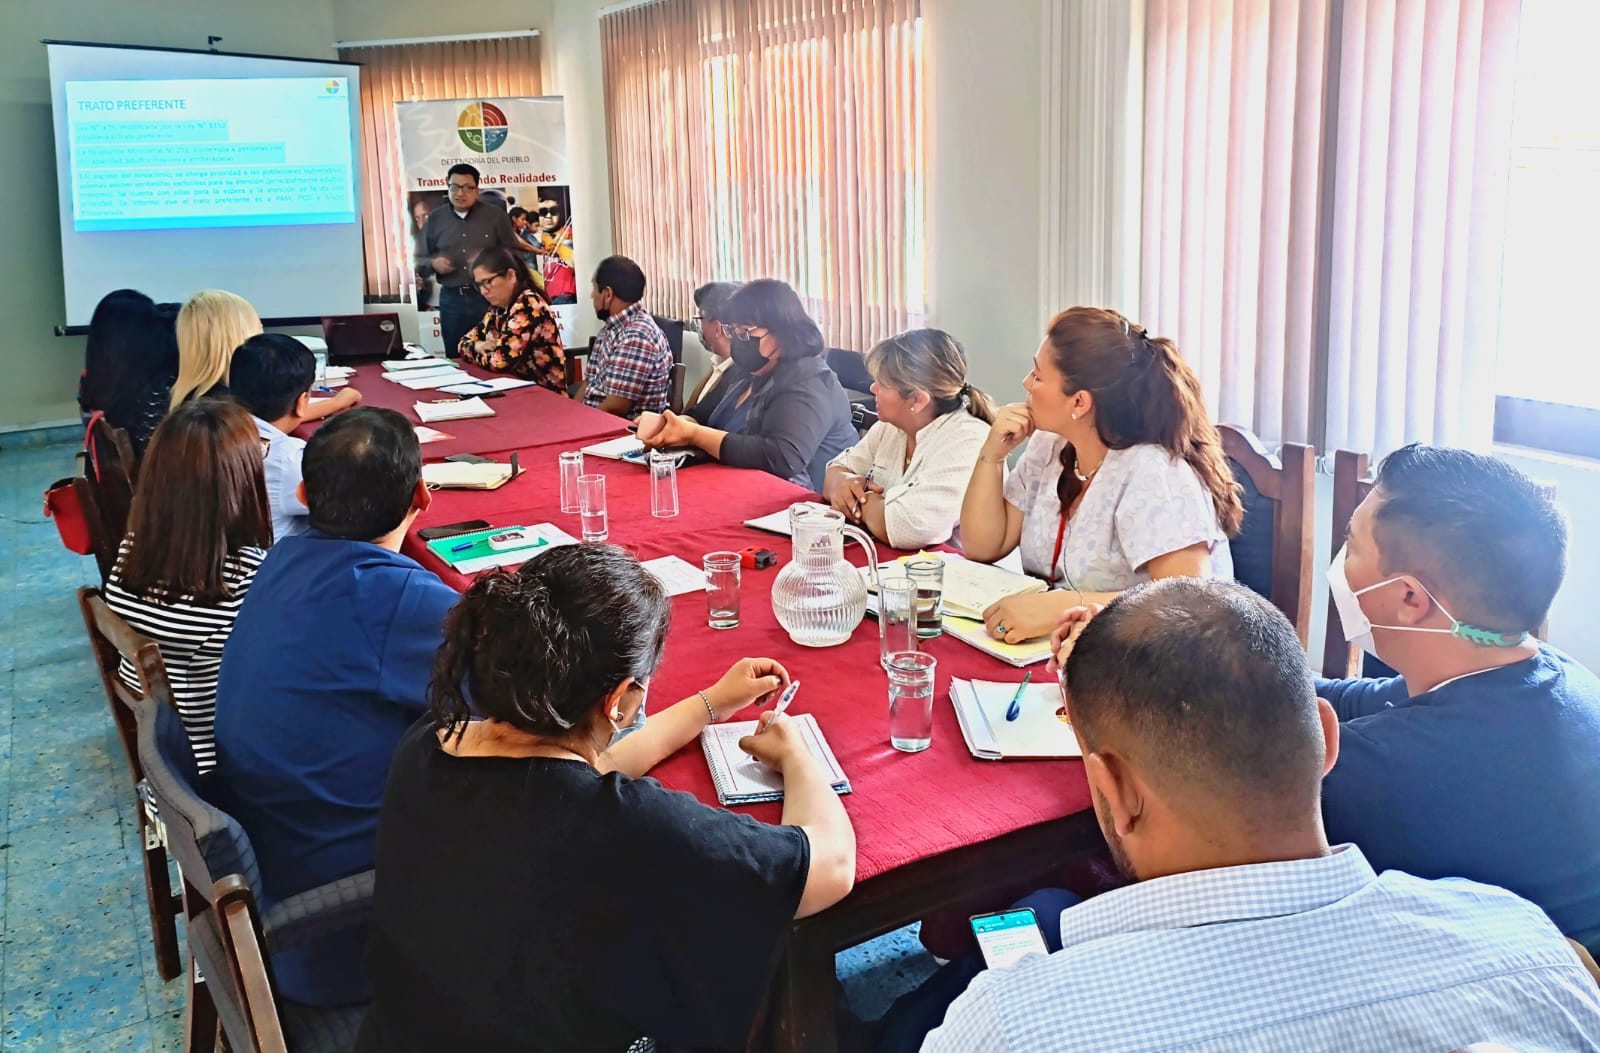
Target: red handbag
(64, 502)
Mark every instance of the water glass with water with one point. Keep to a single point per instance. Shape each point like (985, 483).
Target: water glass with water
(911, 700)
(592, 506)
(928, 576)
(722, 589)
(322, 368)
(571, 468)
(663, 484)
(897, 617)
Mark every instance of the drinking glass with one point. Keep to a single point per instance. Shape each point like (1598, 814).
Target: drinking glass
(592, 506)
(322, 367)
(722, 589)
(911, 701)
(663, 484)
(897, 617)
(571, 468)
(928, 576)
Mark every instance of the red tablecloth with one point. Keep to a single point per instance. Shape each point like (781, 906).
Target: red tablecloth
(904, 806)
(523, 417)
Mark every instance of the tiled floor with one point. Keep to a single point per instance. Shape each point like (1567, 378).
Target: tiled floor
(76, 968)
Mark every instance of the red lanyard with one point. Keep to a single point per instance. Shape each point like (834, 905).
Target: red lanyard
(1055, 559)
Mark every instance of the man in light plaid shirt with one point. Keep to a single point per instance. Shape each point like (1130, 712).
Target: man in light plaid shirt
(1205, 746)
(629, 371)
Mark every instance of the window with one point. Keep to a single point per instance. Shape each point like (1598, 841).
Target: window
(759, 140)
(1548, 376)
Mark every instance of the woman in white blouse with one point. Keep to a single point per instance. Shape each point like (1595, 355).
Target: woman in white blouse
(905, 479)
(1124, 481)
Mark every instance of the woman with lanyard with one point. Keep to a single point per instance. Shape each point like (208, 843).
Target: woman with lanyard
(1124, 483)
(780, 409)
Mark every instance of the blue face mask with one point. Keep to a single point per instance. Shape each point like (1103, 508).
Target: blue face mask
(618, 733)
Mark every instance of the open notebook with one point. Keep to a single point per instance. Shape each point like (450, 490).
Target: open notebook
(971, 588)
(741, 779)
(1038, 733)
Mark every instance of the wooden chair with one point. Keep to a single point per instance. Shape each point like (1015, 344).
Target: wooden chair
(1586, 958)
(236, 1006)
(1272, 554)
(113, 641)
(113, 470)
(101, 547)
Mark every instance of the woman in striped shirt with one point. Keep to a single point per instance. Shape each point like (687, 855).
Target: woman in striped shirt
(199, 528)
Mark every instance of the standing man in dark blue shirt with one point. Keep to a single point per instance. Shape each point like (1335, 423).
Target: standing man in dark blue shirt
(1482, 758)
(328, 666)
(451, 238)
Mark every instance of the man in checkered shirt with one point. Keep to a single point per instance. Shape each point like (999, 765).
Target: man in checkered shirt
(1205, 746)
(629, 371)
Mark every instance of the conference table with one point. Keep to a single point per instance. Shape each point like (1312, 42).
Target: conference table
(934, 830)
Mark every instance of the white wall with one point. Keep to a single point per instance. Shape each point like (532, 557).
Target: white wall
(390, 19)
(1573, 625)
(41, 369)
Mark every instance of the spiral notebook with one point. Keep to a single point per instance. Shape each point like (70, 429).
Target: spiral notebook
(741, 779)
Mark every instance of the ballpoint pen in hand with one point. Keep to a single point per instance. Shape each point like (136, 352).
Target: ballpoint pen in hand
(783, 704)
(1014, 710)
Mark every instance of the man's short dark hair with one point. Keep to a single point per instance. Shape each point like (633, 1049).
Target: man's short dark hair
(1204, 685)
(517, 213)
(464, 169)
(711, 299)
(269, 373)
(361, 471)
(622, 276)
(1481, 532)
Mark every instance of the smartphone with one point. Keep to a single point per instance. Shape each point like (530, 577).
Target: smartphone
(470, 458)
(452, 529)
(1008, 936)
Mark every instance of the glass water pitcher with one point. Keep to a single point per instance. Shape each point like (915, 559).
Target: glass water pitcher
(818, 597)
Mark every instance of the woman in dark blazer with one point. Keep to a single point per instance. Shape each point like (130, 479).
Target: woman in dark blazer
(780, 409)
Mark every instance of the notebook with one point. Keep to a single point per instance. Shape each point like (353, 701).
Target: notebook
(777, 522)
(404, 365)
(627, 447)
(421, 380)
(973, 633)
(1038, 733)
(741, 779)
(971, 588)
(452, 409)
(470, 553)
(454, 475)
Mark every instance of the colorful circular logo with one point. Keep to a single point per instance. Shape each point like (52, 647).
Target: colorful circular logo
(482, 127)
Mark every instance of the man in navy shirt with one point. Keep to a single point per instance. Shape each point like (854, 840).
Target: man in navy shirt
(328, 665)
(1482, 758)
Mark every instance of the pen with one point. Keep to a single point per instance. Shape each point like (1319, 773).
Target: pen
(1015, 709)
(783, 703)
(463, 546)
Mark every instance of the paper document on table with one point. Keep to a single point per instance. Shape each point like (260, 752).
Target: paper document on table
(1040, 731)
(403, 365)
(339, 372)
(677, 576)
(482, 387)
(971, 588)
(778, 522)
(973, 633)
(741, 779)
(454, 409)
(424, 381)
(426, 434)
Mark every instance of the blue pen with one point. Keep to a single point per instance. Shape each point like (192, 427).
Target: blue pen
(463, 546)
(1015, 709)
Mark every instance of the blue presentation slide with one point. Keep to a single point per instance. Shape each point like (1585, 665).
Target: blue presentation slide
(166, 154)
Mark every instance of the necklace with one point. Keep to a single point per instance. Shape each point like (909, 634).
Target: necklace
(1083, 477)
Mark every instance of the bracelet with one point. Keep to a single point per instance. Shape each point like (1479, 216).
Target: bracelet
(991, 460)
(709, 711)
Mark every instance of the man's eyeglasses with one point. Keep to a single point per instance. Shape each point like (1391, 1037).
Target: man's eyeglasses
(548, 213)
(460, 188)
(737, 332)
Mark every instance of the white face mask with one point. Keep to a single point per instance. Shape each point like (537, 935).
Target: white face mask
(1358, 627)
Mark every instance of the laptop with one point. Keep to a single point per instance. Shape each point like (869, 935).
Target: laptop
(367, 336)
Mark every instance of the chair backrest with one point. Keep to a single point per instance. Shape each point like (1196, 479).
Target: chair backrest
(112, 472)
(1586, 958)
(209, 845)
(1351, 486)
(675, 393)
(114, 640)
(862, 417)
(851, 369)
(672, 329)
(101, 547)
(1272, 553)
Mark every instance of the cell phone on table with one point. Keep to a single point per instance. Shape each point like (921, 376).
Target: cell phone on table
(467, 526)
(1007, 936)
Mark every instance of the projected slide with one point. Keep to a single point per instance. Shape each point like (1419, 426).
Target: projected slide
(165, 154)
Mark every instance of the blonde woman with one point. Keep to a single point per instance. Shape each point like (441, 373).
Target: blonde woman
(905, 480)
(211, 326)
